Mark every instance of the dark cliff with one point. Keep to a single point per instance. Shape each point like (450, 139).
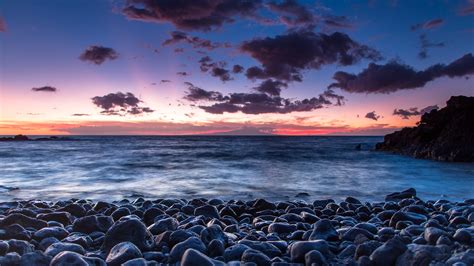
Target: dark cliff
(446, 134)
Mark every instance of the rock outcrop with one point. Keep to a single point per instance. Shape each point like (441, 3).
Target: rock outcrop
(446, 134)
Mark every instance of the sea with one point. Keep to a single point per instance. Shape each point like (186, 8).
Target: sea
(227, 167)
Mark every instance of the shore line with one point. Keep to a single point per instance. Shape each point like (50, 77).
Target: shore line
(402, 230)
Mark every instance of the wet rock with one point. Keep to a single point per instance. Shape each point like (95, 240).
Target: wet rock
(432, 234)
(352, 233)
(397, 196)
(4, 248)
(216, 248)
(59, 247)
(234, 252)
(281, 228)
(464, 236)
(388, 253)
(64, 218)
(68, 258)
(11, 258)
(213, 232)
(194, 257)
(19, 246)
(323, 229)
(168, 224)
(36, 258)
(92, 223)
(207, 211)
(121, 253)
(255, 256)
(178, 250)
(315, 257)
(56, 231)
(23, 220)
(299, 249)
(407, 216)
(128, 230)
(466, 257)
(421, 255)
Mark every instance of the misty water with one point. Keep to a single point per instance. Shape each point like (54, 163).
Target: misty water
(276, 168)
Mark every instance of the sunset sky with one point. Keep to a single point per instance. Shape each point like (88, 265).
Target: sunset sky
(246, 67)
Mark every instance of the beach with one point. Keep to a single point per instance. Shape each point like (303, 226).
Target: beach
(401, 230)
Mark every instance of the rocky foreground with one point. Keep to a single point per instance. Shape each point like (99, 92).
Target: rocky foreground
(446, 134)
(403, 230)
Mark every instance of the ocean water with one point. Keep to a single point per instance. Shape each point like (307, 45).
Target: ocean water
(226, 167)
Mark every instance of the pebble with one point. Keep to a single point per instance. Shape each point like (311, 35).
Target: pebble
(403, 230)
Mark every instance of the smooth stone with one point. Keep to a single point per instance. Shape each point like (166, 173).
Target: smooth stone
(213, 232)
(466, 257)
(56, 231)
(4, 248)
(366, 248)
(397, 196)
(15, 231)
(281, 228)
(11, 258)
(267, 248)
(352, 233)
(464, 236)
(121, 253)
(407, 216)
(323, 229)
(420, 255)
(299, 249)
(179, 235)
(150, 214)
(207, 211)
(255, 256)
(432, 234)
(128, 230)
(64, 218)
(59, 247)
(168, 224)
(92, 223)
(234, 252)
(137, 262)
(215, 248)
(68, 258)
(19, 246)
(388, 253)
(119, 213)
(23, 220)
(315, 257)
(192, 257)
(36, 258)
(78, 238)
(178, 250)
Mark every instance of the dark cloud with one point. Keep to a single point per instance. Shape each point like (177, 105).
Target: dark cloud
(202, 15)
(98, 54)
(257, 103)
(430, 24)
(165, 81)
(3, 25)
(425, 44)
(292, 13)
(372, 115)
(182, 73)
(406, 113)
(80, 114)
(236, 69)
(45, 89)
(120, 104)
(271, 87)
(195, 42)
(467, 9)
(337, 22)
(195, 94)
(178, 50)
(395, 76)
(283, 57)
(216, 69)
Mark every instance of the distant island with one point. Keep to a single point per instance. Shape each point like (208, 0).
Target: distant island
(445, 135)
(25, 138)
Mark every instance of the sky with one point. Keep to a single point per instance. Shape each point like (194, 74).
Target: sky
(163, 67)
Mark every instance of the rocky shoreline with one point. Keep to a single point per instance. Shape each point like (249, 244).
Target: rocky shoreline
(402, 230)
(444, 135)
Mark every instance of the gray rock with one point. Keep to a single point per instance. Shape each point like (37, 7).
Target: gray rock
(68, 258)
(255, 256)
(92, 223)
(59, 247)
(121, 253)
(178, 250)
(36, 258)
(299, 249)
(235, 252)
(315, 257)
(323, 229)
(55, 231)
(168, 224)
(194, 257)
(388, 253)
(432, 234)
(128, 230)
